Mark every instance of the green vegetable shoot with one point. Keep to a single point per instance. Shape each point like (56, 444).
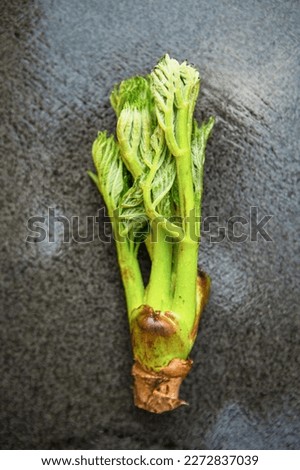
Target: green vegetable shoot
(151, 178)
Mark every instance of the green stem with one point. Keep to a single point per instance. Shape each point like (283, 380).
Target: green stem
(130, 270)
(184, 170)
(174, 268)
(184, 301)
(159, 288)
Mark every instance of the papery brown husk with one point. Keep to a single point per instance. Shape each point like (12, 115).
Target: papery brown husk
(158, 392)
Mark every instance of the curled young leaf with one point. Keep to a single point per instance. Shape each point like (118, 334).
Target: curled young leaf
(199, 140)
(134, 107)
(134, 92)
(132, 215)
(159, 179)
(111, 174)
(161, 186)
(133, 131)
(175, 89)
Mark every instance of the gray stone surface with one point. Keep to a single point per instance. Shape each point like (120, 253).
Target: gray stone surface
(65, 356)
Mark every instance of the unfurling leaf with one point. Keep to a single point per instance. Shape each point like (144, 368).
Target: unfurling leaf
(161, 186)
(134, 107)
(199, 141)
(175, 89)
(132, 213)
(134, 92)
(111, 174)
(133, 131)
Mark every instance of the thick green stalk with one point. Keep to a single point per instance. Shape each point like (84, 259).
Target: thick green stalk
(158, 294)
(186, 191)
(130, 272)
(184, 301)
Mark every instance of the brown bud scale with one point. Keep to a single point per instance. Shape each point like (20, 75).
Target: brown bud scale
(158, 392)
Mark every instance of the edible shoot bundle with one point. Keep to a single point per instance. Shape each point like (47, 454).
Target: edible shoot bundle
(151, 179)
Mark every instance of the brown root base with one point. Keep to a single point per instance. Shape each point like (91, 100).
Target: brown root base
(158, 392)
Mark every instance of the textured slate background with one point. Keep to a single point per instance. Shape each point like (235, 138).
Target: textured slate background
(65, 357)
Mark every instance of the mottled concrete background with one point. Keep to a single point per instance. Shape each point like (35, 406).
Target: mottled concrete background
(65, 357)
